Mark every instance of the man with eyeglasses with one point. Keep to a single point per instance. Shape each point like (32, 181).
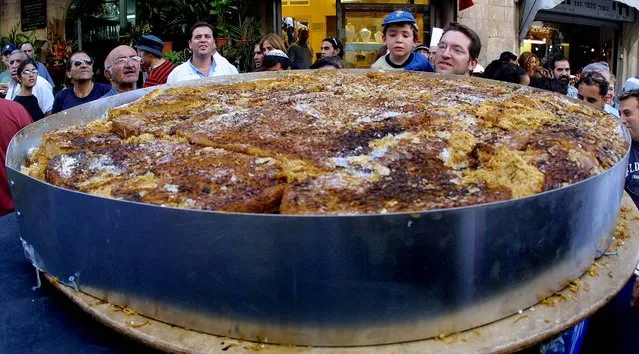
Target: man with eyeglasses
(122, 68)
(83, 89)
(457, 51)
(42, 89)
(205, 61)
(27, 48)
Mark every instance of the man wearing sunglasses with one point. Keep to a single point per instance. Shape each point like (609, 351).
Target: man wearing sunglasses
(83, 89)
(122, 68)
(42, 89)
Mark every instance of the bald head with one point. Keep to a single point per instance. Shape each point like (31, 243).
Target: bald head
(122, 67)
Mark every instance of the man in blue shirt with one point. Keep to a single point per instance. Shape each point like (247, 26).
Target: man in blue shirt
(80, 71)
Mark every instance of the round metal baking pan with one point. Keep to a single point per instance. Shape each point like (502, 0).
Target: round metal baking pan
(311, 280)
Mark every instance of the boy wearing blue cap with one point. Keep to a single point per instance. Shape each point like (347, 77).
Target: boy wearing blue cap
(400, 35)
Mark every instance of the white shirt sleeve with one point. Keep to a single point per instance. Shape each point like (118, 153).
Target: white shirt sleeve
(44, 94)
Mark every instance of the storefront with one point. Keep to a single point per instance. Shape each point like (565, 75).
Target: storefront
(356, 24)
(582, 31)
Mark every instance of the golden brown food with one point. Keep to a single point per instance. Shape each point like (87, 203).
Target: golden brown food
(334, 143)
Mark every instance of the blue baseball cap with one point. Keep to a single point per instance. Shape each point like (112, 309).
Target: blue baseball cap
(399, 16)
(8, 48)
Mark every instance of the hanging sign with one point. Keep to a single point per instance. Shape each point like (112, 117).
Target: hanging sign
(33, 14)
(602, 9)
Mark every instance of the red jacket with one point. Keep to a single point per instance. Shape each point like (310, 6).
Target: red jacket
(13, 117)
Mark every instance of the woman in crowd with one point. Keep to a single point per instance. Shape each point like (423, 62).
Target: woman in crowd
(328, 63)
(332, 47)
(530, 62)
(28, 76)
(272, 41)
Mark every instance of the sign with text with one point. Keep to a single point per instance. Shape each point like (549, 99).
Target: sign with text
(603, 9)
(33, 14)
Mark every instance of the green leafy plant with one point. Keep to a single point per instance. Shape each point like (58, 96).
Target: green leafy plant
(131, 34)
(177, 57)
(177, 16)
(222, 10)
(244, 36)
(17, 38)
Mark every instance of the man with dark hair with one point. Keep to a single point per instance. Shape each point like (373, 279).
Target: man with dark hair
(300, 52)
(458, 50)
(508, 57)
(157, 68)
(205, 61)
(276, 60)
(27, 48)
(629, 109)
(592, 88)
(507, 72)
(83, 89)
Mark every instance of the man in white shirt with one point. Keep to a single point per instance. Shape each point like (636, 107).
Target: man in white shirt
(205, 61)
(42, 90)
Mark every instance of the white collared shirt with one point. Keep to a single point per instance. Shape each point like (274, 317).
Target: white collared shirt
(187, 71)
(42, 91)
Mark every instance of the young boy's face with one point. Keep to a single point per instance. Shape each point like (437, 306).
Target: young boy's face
(399, 39)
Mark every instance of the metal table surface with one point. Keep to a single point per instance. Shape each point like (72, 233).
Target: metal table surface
(43, 320)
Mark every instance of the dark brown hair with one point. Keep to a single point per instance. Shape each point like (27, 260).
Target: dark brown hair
(475, 43)
(198, 25)
(594, 79)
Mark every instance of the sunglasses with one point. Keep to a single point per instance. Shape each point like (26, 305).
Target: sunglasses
(78, 62)
(332, 40)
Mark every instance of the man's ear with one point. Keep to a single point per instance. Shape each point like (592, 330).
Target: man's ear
(107, 74)
(472, 64)
(189, 45)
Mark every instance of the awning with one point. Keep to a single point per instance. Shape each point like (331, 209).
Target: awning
(529, 11)
(530, 8)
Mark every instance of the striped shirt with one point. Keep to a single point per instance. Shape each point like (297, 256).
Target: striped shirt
(159, 74)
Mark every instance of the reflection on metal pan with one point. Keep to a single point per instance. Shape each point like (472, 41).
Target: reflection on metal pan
(312, 280)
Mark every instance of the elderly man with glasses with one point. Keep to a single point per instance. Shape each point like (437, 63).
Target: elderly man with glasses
(122, 68)
(42, 89)
(82, 89)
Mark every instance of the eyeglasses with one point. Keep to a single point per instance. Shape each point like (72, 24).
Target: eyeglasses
(78, 62)
(30, 72)
(454, 48)
(122, 61)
